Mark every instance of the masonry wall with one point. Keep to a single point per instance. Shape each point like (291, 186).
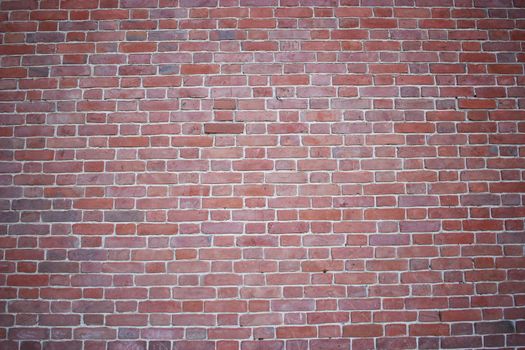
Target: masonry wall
(262, 174)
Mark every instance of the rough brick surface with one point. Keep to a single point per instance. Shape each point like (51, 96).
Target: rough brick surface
(262, 174)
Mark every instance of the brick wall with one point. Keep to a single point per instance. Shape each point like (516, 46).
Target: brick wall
(262, 174)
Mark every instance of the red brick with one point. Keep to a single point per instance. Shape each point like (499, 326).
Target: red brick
(224, 128)
(290, 80)
(159, 306)
(460, 315)
(138, 47)
(199, 69)
(27, 280)
(364, 330)
(429, 330)
(258, 174)
(296, 332)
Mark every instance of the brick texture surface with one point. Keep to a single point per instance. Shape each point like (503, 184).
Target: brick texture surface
(262, 174)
